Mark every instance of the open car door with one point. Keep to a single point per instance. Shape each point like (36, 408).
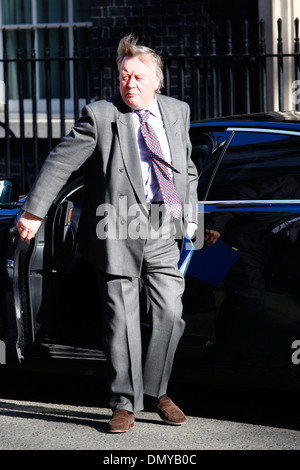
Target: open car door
(31, 268)
(27, 277)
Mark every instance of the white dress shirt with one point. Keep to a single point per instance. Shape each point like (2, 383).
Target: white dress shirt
(152, 190)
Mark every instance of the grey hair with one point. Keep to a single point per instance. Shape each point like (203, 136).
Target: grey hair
(129, 47)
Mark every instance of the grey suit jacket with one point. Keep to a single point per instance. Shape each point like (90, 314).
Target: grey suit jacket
(104, 141)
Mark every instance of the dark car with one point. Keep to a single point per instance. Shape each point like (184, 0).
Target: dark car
(242, 296)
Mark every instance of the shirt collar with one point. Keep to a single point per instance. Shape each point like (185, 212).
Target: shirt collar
(153, 108)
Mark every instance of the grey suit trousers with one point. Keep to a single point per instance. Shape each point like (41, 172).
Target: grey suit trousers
(132, 374)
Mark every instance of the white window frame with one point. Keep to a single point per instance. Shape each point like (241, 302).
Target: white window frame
(41, 102)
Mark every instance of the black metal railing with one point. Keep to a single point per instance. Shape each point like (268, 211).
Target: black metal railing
(216, 77)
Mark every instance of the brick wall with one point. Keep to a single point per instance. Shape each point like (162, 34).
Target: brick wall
(157, 22)
(163, 23)
(169, 26)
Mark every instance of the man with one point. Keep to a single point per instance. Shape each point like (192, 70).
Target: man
(110, 140)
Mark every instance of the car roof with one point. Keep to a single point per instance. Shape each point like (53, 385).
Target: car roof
(275, 119)
(271, 116)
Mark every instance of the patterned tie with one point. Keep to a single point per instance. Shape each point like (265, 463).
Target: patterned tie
(169, 194)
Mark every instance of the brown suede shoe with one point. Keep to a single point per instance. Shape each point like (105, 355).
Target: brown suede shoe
(169, 412)
(121, 421)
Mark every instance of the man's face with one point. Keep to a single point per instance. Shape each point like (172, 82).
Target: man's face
(138, 81)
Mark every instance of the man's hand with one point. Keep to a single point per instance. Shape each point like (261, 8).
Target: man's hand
(210, 236)
(191, 229)
(28, 225)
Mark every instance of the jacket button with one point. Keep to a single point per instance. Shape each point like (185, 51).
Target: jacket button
(121, 170)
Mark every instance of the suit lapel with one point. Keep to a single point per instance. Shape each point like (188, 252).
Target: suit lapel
(171, 122)
(129, 151)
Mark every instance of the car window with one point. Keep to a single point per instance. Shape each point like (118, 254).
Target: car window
(201, 148)
(260, 165)
(206, 151)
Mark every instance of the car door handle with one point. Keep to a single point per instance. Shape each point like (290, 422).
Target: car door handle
(13, 231)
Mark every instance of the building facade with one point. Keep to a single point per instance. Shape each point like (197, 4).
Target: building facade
(56, 55)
